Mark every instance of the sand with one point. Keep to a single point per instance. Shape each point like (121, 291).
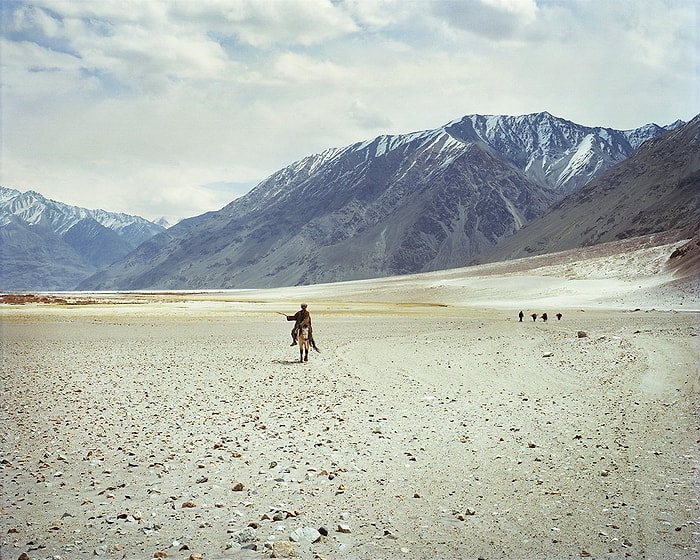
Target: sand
(433, 424)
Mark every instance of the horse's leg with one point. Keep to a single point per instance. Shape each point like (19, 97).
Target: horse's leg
(301, 352)
(306, 354)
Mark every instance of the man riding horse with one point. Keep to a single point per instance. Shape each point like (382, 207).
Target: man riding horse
(301, 317)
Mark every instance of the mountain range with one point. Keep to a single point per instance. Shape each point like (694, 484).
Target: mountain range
(399, 204)
(49, 245)
(655, 190)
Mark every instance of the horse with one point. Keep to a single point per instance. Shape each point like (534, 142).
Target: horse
(303, 338)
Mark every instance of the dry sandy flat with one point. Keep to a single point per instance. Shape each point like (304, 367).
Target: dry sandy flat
(433, 424)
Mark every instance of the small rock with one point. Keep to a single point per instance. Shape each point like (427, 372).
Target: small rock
(468, 513)
(283, 549)
(247, 535)
(548, 354)
(160, 554)
(343, 528)
(305, 534)
(582, 334)
(389, 535)
(238, 487)
(189, 504)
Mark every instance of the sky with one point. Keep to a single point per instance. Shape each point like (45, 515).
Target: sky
(176, 107)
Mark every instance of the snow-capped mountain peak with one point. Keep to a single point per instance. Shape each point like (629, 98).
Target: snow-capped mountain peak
(47, 244)
(35, 209)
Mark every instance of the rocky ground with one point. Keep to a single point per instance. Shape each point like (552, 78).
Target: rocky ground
(433, 424)
(189, 430)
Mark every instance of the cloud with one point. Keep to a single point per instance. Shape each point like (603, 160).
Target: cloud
(495, 19)
(134, 105)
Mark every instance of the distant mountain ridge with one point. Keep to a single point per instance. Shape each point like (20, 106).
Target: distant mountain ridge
(557, 152)
(399, 204)
(49, 245)
(656, 189)
(36, 209)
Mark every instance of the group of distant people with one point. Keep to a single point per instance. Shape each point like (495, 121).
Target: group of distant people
(534, 316)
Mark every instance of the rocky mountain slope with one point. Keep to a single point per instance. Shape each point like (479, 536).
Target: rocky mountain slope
(396, 204)
(554, 152)
(48, 245)
(655, 190)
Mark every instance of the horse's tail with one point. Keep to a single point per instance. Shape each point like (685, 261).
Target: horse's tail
(313, 344)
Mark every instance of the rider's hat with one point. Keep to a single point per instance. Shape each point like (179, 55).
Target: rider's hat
(303, 305)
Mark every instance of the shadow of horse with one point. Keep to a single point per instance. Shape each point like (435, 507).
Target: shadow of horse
(286, 362)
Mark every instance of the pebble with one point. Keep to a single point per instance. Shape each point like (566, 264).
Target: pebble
(282, 549)
(305, 534)
(247, 535)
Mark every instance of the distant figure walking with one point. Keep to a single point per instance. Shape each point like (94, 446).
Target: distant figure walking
(558, 316)
(520, 316)
(534, 317)
(544, 317)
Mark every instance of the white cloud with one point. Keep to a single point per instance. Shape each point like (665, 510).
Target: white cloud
(493, 19)
(134, 105)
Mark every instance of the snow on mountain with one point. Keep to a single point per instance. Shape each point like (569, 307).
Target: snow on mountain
(655, 190)
(163, 222)
(391, 205)
(557, 152)
(45, 244)
(35, 209)
(394, 204)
